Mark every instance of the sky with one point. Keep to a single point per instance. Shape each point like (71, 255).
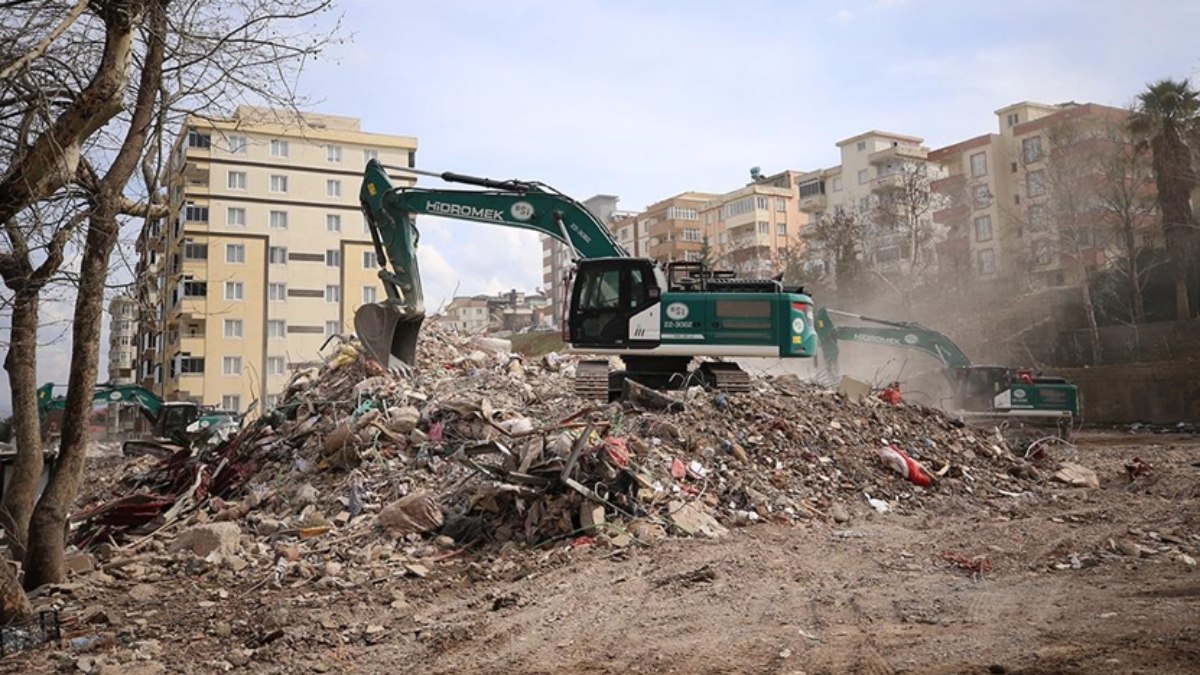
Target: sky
(648, 99)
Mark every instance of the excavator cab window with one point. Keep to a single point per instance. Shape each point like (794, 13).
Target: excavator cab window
(607, 293)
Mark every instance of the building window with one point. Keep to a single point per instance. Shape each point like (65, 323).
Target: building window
(369, 295)
(1039, 217)
(780, 204)
(333, 222)
(191, 364)
(1012, 119)
(236, 180)
(276, 365)
(1035, 183)
(279, 183)
(762, 203)
(864, 176)
(764, 227)
(231, 402)
(235, 216)
(370, 260)
(194, 251)
(235, 253)
(331, 328)
(237, 144)
(277, 292)
(233, 328)
(861, 145)
(276, 329)
(195, 214)
(333, 154)
(279, 148)
(981, 196)
(979, 164)
(333, 293)
(231, 365)
(333, 188)
(271, 401)
(983, 228)
(987, 261)
(196, 139)
(837, 183)
(195, 289)
(781, 229)
(1031, 149)
(333, 258)
(691, 234)
(235, 290)
(1041, 252)
(279, 220)
(369, 155)
(677, 213)
(277, 255)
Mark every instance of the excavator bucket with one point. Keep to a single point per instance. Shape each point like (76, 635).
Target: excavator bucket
(388, 335)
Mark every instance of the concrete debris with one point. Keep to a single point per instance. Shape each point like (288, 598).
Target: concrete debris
(387, 473)
(1077, 475)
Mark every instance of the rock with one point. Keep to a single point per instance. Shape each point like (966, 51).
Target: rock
(590, 516)
(646, 531)
(403, 420)
(80, 562)
(222, 629)
(853, 389)
(306, 494)
(268, 526)
(238, 658)
(492, 345)
(418, 512)
(1077, 475)
(236, 563)
(692, 520)
(142, 593)
(417, 570)
(338, 439)
(204, 540)
(839, 513)
(332, 569)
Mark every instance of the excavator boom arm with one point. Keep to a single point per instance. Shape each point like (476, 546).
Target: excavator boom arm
(146, 400)
(888, 334)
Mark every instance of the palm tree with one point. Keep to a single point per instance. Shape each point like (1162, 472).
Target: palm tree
(1167, 119)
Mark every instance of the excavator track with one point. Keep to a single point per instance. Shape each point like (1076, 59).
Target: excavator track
(591, 380)
(726, 377)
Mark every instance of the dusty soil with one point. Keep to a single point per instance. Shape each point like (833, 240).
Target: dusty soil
(1075, 581)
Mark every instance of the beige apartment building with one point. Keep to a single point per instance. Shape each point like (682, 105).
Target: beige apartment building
(122, 339)
(674, 227)
(265, 256)
(869, 161)
(749, 228)
(998, 196)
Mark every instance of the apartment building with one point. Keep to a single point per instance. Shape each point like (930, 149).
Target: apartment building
(674, 226)
(749, 228)
(870, 162)
(122, 339)
(510, 311)
(556, 256)
(266, 253)
(1005, 218)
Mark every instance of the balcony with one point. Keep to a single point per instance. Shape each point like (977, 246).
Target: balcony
(194, 175)
(950, 185)
(814, 203)
(899, 153)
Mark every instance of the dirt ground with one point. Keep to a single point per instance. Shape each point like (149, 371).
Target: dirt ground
(1076, 580)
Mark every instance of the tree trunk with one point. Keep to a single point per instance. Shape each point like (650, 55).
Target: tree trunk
(44, 561)
(1089, 308)
(1137, 305)
(21, 364)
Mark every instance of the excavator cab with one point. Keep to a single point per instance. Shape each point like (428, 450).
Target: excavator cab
(606, 295)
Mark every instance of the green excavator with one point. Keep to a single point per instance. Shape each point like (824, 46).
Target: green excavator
(656, 318)
(174, 423)
(980, 393)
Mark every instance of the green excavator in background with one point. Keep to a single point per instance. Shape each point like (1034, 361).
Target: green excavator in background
(656, 318)
(170, 420)
(978, 392)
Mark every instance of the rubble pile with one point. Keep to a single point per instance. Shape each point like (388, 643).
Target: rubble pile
(481, 447)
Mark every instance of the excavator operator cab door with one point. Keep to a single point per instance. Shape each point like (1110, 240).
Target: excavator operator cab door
(979, 386)
(606, 294)
(175, 418)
